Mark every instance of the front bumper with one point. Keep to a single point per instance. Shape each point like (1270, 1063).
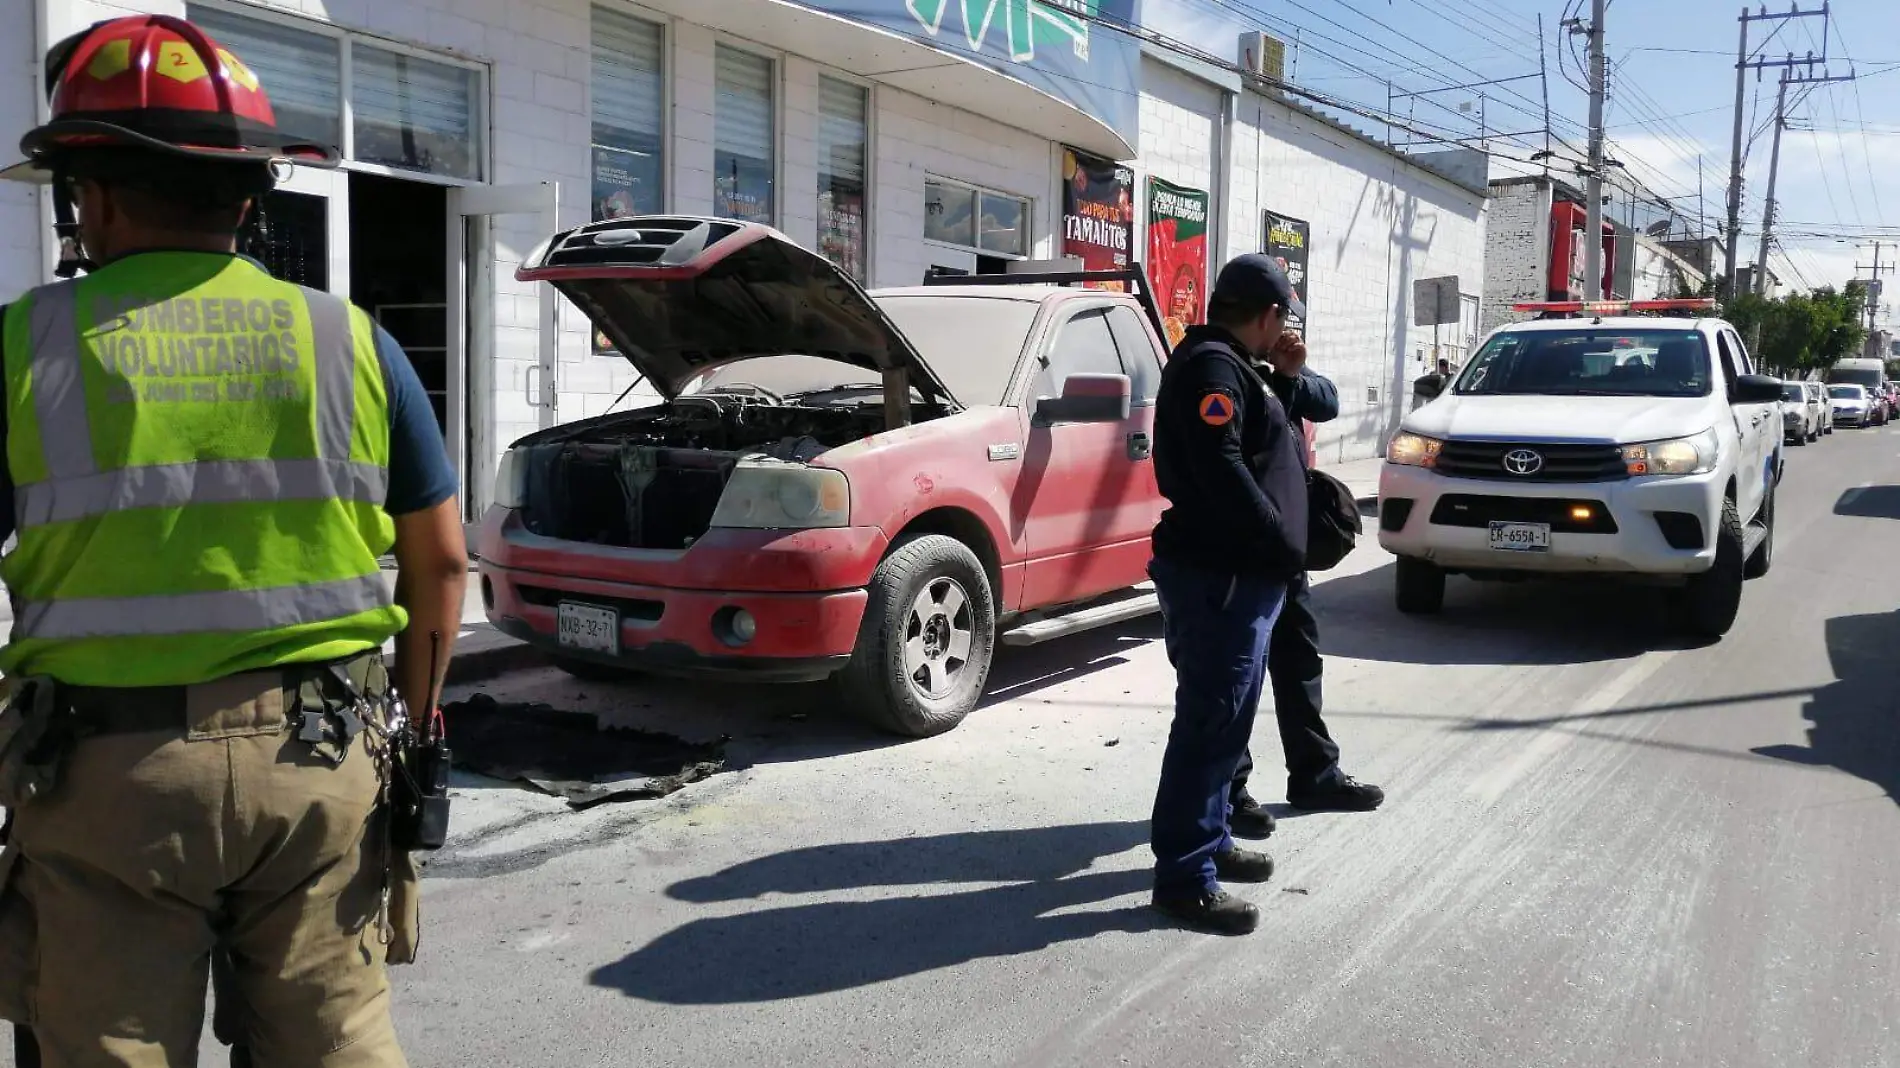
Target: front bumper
(800, 637)
(804, 592)
(1849, 416)
(1663, 525)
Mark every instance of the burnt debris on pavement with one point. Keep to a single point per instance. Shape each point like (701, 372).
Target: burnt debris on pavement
(569, 754)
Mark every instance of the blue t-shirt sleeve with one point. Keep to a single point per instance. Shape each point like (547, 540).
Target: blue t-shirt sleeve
(420, 474)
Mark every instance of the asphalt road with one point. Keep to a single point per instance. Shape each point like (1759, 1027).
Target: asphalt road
(1601, 848)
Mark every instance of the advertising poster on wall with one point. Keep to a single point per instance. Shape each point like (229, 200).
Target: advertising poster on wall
(1098, 212)
(1287, 241)
(1177, 255)
(841, 227)
(625, 184)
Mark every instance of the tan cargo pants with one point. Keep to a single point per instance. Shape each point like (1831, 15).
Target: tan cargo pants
(154, 847)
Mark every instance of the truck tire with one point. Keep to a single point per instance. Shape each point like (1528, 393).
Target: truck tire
(1708, 604)
(1420, 587)
(928, 636)
(1763, 557)
(592, 670)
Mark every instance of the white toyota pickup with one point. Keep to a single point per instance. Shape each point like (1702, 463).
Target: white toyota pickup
(1640, 447)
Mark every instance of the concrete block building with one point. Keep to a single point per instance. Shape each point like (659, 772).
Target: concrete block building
(899, 137)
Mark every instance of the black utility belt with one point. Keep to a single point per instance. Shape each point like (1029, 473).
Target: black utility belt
(140, 709)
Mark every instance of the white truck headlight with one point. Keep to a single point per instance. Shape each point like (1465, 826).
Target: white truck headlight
(1413, 450)
(1694, 455)
(765, 494)
(511, 480)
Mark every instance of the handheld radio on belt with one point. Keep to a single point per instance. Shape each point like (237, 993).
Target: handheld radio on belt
(419, 794)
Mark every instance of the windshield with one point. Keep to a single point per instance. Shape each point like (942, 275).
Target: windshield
(1590, 362)
(1794, 393)
(973, 343)
(1846, 392)
(1862, 376)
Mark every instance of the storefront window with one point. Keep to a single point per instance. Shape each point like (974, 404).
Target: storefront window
(414, 113)
(842, 140)
(743, 164)
(991, 223)
(949, 213)
(303, 70)
(629, 146)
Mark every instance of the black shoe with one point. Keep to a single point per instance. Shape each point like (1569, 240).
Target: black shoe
(1215, 910)
(1239, 865)
(1250, 819)
(1346, 794)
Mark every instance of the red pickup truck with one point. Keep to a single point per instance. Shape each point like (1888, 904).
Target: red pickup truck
(877, 486)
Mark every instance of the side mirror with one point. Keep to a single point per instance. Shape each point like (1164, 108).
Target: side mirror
(1087, 399)
(1757, 389)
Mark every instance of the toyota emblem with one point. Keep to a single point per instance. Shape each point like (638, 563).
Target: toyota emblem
(1523, 462)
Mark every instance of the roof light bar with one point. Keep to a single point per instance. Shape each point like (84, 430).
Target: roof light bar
(1617, 307)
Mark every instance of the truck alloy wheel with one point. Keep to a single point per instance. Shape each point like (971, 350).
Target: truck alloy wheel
(925, 644)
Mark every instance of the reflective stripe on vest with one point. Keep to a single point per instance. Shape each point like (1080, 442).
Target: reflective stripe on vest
(74, 488)
(193, 613)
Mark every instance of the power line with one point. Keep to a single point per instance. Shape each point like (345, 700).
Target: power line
(1860, 115)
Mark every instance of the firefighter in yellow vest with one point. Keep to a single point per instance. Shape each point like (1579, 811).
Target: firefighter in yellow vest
(203, 467)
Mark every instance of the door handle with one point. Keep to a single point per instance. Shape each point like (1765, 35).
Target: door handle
(1139, 447)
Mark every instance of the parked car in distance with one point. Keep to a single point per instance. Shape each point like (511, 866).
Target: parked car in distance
(1800, 415)
(1868, 372)
(1600, 447)
(1817, 395)
(1852, 405)
(872, 487)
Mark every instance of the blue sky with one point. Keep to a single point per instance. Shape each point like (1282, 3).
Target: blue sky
(1672, 99)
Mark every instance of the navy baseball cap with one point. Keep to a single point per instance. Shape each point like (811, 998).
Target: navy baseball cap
(1257, 280)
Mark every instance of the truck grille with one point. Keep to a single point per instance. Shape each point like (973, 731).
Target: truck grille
(1559, 462)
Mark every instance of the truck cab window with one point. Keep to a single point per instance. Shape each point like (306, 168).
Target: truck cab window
(1083, 346)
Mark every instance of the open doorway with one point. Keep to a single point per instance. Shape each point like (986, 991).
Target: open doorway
(399, 272)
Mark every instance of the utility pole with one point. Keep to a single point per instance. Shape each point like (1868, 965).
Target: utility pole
(1543, 78)
(1774, 167)
(1770, 208)
(1736, 157)
(1593, 208)
(1873, 285)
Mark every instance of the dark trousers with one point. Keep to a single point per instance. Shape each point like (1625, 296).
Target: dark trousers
(1216, 628)
(1294, 667)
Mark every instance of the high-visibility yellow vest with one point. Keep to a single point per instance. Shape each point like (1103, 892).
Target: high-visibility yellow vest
(200, 456)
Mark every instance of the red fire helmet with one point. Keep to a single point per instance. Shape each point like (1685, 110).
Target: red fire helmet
(159, 83)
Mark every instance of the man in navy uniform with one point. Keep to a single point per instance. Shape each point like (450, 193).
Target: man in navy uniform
(1231, 464)
(1314, 781)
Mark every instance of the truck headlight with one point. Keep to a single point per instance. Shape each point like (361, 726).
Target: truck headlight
(511, 480)
(765, 494)
(1694, 455)
(1413, 450)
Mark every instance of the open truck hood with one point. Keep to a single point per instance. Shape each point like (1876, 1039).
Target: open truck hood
(680, 296)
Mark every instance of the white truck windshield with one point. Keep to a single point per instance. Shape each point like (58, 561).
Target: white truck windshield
(1591, 361)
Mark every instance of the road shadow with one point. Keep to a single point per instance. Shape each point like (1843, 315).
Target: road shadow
(800, 950)
(1852, 721)
(1487, 623)
(1870, 502)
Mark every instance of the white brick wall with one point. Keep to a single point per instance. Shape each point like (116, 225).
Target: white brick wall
(1517, 251)
(916, 138)
(1378, 224)
(1659, 273)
